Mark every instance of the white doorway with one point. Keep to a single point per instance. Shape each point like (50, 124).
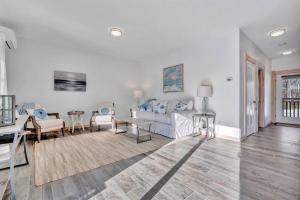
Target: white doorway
(288, 99)
(251, 96)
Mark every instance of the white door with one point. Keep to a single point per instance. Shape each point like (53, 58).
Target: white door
(251, 101)
(287, 104)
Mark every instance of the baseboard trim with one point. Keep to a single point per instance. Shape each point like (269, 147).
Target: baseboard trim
(229, 133)
(287, 125)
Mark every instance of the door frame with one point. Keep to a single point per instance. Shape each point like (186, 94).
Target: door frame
(261, 97)
(273, 85)
(251, 59)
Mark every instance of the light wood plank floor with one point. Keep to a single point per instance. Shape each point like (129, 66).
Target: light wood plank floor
(80, 186)
(265, 166)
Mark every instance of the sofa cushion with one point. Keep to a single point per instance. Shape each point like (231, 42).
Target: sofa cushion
(50, 124)
(145, 115)
(163, 118)
(102, 118)
(172, 105)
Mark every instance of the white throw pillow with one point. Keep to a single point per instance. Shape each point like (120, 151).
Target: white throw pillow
(17, 114)
(190, 105)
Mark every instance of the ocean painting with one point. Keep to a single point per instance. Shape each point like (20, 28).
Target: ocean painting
(173, 79)
(69, 81)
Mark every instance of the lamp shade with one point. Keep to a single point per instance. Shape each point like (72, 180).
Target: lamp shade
(204, 91)
(138, 94)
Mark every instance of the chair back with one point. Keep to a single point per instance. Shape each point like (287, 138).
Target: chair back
(107, 104)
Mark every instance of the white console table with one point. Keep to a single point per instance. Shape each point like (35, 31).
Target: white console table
(16, 130)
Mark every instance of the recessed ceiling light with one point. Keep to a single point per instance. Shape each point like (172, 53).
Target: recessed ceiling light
(288, 52)
(282, 44)
(116, 32)
(277, 32)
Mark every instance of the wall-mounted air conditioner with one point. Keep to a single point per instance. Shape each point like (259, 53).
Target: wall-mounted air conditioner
(9, 37)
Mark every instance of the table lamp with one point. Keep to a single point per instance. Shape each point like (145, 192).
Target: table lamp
(204, 91)
(138, 94)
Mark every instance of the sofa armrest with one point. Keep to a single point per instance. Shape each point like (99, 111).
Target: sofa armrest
(54, 114)
(182, 123)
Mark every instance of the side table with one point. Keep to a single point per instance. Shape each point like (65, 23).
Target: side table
(76, 119)
(206, 116)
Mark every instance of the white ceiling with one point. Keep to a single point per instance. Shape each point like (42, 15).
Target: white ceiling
(153, 27)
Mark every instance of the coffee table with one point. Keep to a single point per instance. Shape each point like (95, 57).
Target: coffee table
(136, 124)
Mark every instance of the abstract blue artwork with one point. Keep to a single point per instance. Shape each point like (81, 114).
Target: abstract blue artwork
(173, 79)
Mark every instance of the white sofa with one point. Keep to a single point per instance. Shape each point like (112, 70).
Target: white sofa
(173, 124)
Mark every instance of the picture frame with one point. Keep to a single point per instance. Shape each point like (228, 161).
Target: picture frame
(173, 78)
(69, 81)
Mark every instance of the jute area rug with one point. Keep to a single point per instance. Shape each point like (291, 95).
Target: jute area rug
(62, 157)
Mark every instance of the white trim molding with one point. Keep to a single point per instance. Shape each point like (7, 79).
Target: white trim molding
(227, 132)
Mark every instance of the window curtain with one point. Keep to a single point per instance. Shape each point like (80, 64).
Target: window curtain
(3, 78)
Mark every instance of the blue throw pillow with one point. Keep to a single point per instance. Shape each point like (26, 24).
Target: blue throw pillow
(160, 107)
(104, 111)
(181, 106)
(40, 113)
(147, 105)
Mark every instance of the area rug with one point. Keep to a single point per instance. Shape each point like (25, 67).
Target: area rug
(62, 157)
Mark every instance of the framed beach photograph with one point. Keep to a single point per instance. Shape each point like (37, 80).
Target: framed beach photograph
(173, 79)
(69, 81)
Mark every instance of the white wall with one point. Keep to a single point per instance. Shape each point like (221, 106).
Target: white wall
(211, 61)
(249, 47)
(3, 78)
(286, 62)
(30, 77)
